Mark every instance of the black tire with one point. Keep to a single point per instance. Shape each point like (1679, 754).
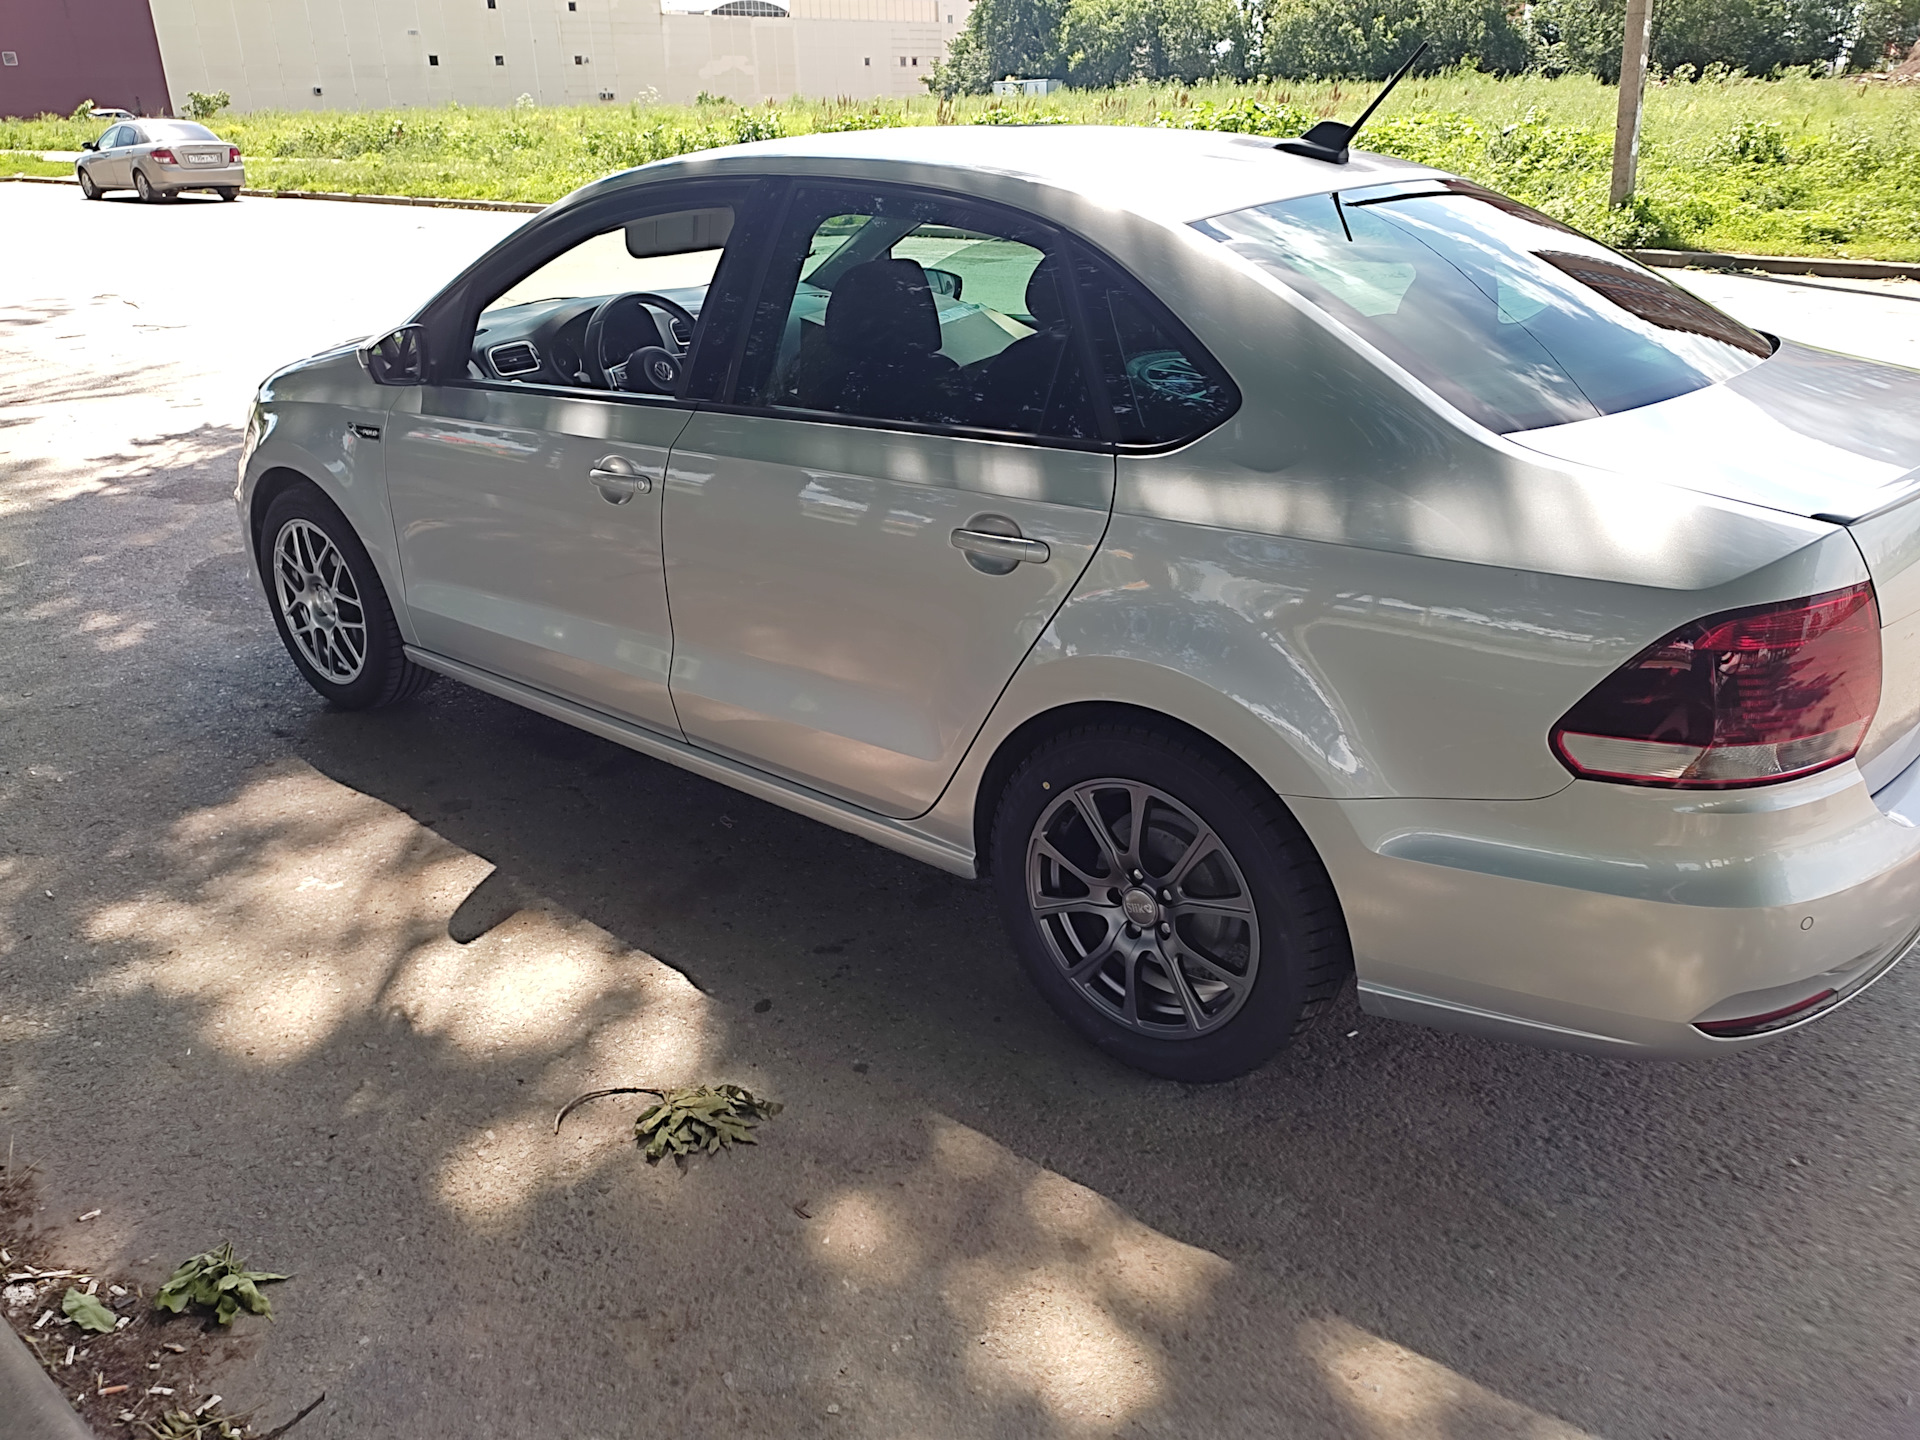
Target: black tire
(144, 189)
(383, 674)
(88, 190)
(1292, 946)
(227, 192)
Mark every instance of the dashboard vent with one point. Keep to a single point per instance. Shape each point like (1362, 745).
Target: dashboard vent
(681, 334)
(517, 357)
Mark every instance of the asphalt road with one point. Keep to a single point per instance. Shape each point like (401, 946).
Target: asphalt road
(317, 983)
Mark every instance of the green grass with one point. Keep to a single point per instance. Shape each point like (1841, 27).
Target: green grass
(1798, 166)
(29, 165)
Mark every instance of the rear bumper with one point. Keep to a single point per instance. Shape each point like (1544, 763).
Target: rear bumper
(1614, 919)
(196, 177)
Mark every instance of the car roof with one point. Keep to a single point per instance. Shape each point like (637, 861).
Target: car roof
(1168, 175)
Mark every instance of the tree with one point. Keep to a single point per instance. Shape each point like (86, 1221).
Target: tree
(1757, 36)
(1888, 30)
(1002, 37)
(1111, 42)
(1369, 39)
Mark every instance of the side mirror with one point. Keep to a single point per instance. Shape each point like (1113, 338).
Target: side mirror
(944, 282)
(398, 357)
(88, 145)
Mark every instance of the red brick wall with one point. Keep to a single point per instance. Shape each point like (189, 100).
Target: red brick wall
(74, 50)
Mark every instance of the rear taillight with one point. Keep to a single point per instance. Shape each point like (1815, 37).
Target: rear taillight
(1741, 698)
(233, 154)
(165, 157)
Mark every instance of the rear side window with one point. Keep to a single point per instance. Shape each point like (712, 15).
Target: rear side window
(884, 305)
(1162, 386)
(1516, 320)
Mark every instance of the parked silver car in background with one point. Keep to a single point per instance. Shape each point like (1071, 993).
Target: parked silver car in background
(157, 159)
(1262, 567)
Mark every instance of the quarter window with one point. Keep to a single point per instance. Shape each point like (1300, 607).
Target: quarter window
(922, 310)
(1161, 384)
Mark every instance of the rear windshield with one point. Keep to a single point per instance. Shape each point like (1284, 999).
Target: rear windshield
(178, 130)
(1514, 318)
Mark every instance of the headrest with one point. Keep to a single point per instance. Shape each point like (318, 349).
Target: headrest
(1044, 301)
(885, 304)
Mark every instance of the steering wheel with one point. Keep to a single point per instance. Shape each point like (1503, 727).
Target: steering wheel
(661, 367)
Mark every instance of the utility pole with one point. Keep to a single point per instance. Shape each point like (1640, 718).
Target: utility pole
(1633, 89)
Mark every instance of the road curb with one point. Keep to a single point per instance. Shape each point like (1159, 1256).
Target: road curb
(1665, 259)
(34, 1406)
(1778, 264)
(521, 207)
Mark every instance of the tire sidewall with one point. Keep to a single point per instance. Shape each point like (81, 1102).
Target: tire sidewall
(88, 190)
(1237, 815)
(379, 675)
(143, 186)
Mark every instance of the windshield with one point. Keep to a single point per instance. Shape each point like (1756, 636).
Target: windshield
(178, 130)
(1512, 317)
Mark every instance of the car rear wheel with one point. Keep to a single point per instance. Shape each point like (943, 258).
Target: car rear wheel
(1165, 902)
(88, 190)
(329, 605)
(143, 188)
(227, 192)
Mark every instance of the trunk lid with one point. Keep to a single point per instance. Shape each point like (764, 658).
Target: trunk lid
(1811, 433)
(200, 154)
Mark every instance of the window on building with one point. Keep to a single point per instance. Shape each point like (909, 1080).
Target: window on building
(316, 89)
(867, 61)
(491, 5)
(571, 5)
(433, 59)
(903, 62)
(916, 60)
(9, 57)
(499, 59)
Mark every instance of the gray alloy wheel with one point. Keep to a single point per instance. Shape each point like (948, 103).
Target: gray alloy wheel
(1163, 899)
(1144, 907)
(319, 602)
(329, 606)
(142, 187)
(88, 190)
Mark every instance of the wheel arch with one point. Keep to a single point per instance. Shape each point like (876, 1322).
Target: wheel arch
(272, 484)
(1037, 729)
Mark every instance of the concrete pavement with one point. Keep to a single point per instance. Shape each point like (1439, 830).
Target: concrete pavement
(317, 983)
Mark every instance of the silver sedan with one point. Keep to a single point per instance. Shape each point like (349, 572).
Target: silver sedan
(158, 159)
(1266, 567)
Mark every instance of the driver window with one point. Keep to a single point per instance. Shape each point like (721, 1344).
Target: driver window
(614, 312)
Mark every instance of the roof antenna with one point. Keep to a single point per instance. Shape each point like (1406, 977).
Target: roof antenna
(1329, 139)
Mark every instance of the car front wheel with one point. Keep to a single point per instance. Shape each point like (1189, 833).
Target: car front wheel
(1164, 901)
(88, 190)
(329, 605)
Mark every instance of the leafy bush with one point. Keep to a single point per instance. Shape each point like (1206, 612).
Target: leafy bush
(205, 104)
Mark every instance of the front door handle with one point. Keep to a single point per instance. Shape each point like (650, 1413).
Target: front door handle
(1010, 548)
(619, 480)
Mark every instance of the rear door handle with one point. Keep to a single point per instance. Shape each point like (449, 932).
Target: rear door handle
(619, 480)
(1001, 547)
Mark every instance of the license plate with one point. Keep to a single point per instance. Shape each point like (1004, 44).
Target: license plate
(203, 159)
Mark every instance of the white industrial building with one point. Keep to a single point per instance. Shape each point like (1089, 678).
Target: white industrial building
(369, 54)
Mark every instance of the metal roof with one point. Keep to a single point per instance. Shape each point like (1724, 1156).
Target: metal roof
(1169, 175)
